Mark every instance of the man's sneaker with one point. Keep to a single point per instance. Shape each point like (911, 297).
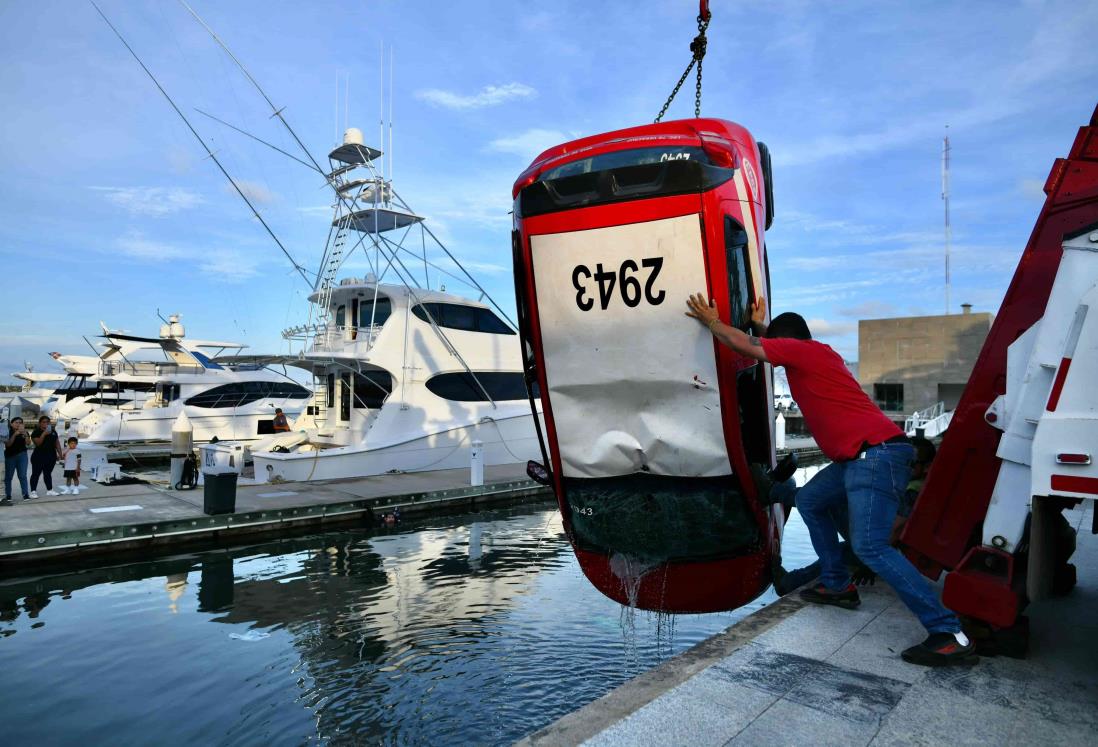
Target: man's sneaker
(52, 492)
(777, 577)
(942, 649)
(819, 594)
(34, 494)
(6, 501)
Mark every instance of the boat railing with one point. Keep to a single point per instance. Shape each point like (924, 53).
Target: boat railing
(329, 338)
(932, 421)
(147, 368)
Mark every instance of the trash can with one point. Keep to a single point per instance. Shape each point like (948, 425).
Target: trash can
(219, 493)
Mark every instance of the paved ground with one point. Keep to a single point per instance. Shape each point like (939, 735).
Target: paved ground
(793, 674)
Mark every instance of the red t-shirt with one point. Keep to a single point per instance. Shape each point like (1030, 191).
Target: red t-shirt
(839, 414)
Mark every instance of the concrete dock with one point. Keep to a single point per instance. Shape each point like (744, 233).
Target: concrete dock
(118, 518)
(797, 674)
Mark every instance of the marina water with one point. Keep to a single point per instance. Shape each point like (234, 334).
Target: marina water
(469, 629)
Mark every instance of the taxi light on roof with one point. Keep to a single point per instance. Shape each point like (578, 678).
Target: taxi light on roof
(1073, 458)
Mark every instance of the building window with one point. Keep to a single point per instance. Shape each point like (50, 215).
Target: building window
(461, 387)
(889, 396)
(467, 318)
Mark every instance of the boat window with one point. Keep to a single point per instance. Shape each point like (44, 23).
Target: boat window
(205, 361)
(371, 388)
(501, 386)
(458, 316)
(345, 396)
(622, 175)
(341, 316)
(377, 313)
(739, 285)
(246, 392)
(354, 312)
(331, 390)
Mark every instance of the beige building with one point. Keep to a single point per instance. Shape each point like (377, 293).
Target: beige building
(911, 363)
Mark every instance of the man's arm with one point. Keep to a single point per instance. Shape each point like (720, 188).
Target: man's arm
(739, 341)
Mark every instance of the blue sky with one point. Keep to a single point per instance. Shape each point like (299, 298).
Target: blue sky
(109, 210)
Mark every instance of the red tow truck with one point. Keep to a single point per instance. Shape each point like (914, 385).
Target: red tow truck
(1023, 443)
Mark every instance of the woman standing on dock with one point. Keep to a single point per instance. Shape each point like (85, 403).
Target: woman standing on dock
(15, 459)
(47, 450)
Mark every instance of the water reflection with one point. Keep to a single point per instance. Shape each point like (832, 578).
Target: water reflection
(474, 629)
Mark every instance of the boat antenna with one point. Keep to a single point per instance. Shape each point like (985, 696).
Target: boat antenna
(389, 157)
(299, 268)
(945, 201)
(161, 316)
(278, 113)
(239, 64)
(381, 105)
(260, 140)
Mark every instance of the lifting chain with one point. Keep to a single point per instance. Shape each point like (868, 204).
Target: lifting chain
(697, 49)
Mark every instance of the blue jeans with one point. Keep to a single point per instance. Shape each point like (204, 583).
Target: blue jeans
(786, 494)
(871, 488)
(13, 465)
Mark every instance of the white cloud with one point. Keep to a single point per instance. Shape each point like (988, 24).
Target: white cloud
(154, 201)
(825, 328)
(487, 96)
(229, 266)
(869, 310)
(530, 143)
(135, 244)
(1032, 189)
(221, 265)
(315, 210)
(257, 193)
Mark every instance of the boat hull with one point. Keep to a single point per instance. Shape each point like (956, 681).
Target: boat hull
(505, 441)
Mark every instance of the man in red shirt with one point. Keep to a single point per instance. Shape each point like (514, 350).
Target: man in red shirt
(871, 461)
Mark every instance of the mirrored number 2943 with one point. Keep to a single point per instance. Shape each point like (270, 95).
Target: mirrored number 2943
(626, 279)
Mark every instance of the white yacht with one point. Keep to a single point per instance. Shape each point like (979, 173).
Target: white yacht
(406, 378)
(32, 397)
(144, 383)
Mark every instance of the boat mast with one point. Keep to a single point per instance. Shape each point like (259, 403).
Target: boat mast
(948, 228)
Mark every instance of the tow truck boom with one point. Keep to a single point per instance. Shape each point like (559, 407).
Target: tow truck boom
(1021, 446)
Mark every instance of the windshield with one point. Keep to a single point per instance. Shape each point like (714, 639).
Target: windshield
(633, 157)
(622, 175)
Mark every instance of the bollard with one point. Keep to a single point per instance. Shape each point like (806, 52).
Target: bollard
(779, 431)
(182, 446)
(476, 463)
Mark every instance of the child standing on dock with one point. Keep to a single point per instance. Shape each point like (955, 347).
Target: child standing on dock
(72, 468)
